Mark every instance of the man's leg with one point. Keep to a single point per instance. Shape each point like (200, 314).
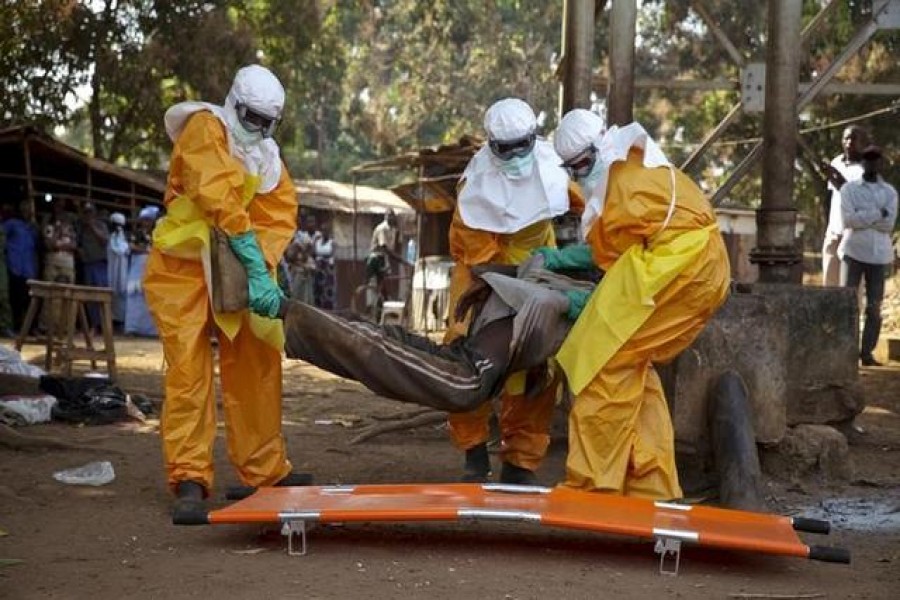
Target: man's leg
(831, 264)
(251, 399)
(874, 276)
(652, 472)
(397, 364)
(176, 296)
(851, 277)
(469, 432)
(525, 429)
(95, 275)
(18, 300)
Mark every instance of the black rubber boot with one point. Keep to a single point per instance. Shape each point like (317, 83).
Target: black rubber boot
(190, 508)
(239, 492)
(517, 475)
(478, 465)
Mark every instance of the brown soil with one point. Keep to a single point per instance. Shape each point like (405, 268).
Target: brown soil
(116, 541)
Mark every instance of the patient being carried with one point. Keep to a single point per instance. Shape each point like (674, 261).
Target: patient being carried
(518, 322)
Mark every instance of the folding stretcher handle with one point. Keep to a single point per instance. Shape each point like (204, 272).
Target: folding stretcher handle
(190, 517)
(829, 554)
(811, 525)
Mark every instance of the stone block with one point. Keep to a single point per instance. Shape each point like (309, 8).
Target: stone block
(795, 348)
(822, 371)
(809, 450)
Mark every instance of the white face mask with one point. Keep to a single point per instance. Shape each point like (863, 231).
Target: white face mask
(517, 167)
(590, 181)
(245, 138)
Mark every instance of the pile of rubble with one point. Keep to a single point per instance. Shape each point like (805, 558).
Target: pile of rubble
(890, 308)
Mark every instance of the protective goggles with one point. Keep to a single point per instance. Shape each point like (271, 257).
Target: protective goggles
(580, 166)
(256, 122)
(507, 149)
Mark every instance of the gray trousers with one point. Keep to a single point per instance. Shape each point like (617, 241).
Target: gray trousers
(854, 272)
(392, 362)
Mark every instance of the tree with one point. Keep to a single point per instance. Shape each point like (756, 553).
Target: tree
(148, 55)
(423, 73)
(42, 60)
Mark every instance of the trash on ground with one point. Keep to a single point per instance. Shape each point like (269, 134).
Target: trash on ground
(95, 473)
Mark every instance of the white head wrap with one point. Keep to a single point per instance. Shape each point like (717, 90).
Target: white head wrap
(491, 201)
(260, 90)
(117, 218)
(509, 119)
(577, 130)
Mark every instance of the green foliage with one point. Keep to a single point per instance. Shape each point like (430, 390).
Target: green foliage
(42, 60)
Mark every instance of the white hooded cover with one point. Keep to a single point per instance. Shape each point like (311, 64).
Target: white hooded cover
(259, 89)
(491, 201)
(614, 146)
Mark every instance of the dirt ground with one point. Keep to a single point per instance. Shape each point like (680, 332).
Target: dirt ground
(116, 541)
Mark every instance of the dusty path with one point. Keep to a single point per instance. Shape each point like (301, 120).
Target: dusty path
(116, 541)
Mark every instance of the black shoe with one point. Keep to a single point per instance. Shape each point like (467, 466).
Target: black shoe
(239, 492)
(868, 360)
(516, 475)
(190, 507)
(478, 465)
(295, 480)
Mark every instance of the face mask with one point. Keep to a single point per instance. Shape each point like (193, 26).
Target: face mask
(590, 181)
(517, 167)
(245, 138)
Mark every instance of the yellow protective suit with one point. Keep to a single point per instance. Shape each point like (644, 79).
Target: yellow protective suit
(524, 422)
(662, 285)
(207, 186)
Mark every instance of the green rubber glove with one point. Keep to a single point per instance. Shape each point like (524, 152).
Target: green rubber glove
(578, 299)
(550, 256)
(574, 257)
(265, 295)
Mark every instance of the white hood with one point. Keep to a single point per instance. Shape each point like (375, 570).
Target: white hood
(262, 159)
(614, 147)
(491, 201)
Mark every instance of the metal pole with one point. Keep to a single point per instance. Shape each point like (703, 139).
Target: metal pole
(863, 35)
(620, 103)
(423, 293)
(29, 183)
(735, 111)
(355, 256)
(776, 253)
(578, 53)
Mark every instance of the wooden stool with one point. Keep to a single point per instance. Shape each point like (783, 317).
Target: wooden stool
(60, 337)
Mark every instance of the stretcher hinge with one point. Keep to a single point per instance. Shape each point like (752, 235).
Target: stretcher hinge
(292, 528)
(668, 546)
(669, 550)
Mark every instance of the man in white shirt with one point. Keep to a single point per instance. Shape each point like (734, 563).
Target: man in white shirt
(385, 246)
(843, 168)
(869, 210)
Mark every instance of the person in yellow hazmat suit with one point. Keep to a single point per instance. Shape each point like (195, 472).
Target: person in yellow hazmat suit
(654, 234)
(508, 196)
(225, 172)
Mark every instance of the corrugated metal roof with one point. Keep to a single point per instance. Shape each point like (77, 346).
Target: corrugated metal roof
(338, 197)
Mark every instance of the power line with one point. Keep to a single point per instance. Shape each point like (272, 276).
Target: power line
(893, 107)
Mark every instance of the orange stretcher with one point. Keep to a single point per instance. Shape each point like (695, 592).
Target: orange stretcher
(667, 523)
